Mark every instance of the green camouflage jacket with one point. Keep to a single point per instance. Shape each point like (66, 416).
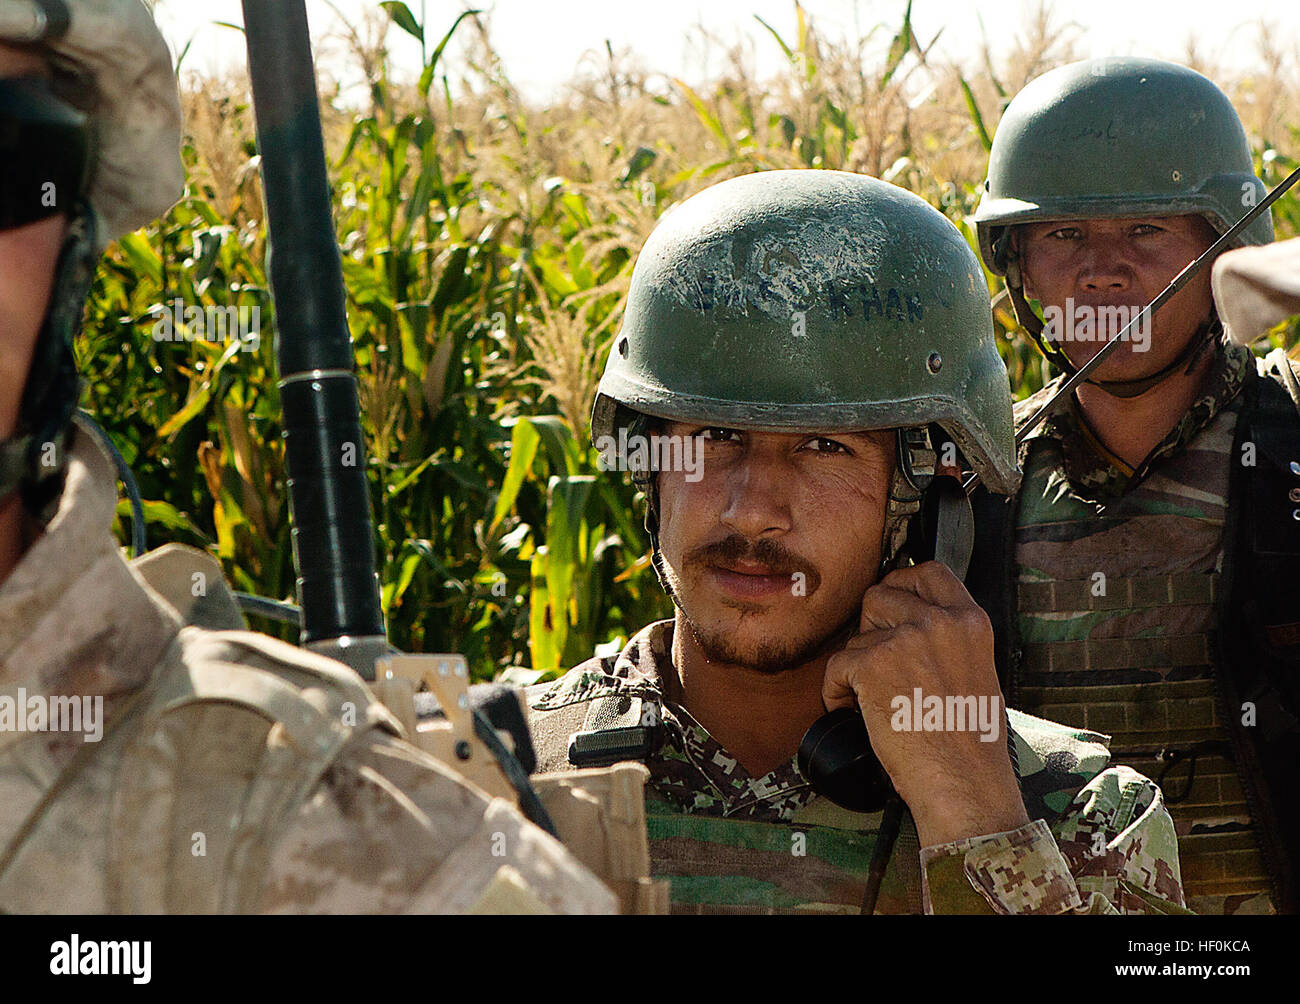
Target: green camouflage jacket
(1099, 840)
(1095, 473)
(1117, 572)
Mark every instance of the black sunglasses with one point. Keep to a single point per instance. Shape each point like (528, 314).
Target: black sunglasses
(45, 153)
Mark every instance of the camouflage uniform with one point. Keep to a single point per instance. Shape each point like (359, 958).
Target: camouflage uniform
(774, 301)
(235, 773)
(1157, 604)
(1100, 840)
(1117, 575)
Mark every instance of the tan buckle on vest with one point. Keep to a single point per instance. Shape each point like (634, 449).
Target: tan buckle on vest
(450, 739)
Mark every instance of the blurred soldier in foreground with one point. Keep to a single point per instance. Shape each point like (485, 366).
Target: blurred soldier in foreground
(795, 345)
(145, 765)
(1144, 582)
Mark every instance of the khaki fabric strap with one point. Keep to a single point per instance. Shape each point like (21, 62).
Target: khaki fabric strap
(1129, 593)
(1277, 361)
(1118, 653)
(87, 754)
(158, 804)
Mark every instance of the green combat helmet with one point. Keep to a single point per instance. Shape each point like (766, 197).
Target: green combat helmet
(1108, 138)
(814, 300)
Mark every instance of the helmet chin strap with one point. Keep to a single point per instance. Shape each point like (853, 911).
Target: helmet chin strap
(1187, 360)
(914, 471)
(637, 425)
(1202, 340)
(34, 460)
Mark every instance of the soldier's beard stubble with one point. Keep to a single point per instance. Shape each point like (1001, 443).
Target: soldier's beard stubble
(769, 657)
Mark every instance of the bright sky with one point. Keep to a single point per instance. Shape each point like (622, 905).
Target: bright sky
(542, 43)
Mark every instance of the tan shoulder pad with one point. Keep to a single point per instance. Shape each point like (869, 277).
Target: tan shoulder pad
(192, 582)
(1256, 288)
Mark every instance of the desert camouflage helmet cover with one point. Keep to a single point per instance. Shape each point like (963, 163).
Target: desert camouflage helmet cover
(1118, 137)
(812, 300)
(139, 174)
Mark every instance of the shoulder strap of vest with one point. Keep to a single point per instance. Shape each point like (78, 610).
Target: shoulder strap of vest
(249, 772)
(192, 582)
(616, 727)
(592, 718)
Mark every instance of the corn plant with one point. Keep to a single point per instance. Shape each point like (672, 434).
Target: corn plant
(487, 247)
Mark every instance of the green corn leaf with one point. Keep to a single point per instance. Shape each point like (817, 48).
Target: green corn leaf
(789, 53)
(141, 256)
(523, 448)
(425, 550)
(544, 652)
(194, 406)
(976, 117)
(899, 47)
(452, 278)
(409, 565)
(701, 109)
(403, 18)
(165, 514)
(807, 46)
(637, 164)
(562, 449)
(437, 52)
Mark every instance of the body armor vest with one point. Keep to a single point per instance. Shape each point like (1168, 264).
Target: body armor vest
(220, 749)
(1125, 615)
(819, 861)
(1115, 605)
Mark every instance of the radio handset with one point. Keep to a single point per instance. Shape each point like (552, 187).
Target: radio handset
(835, 755)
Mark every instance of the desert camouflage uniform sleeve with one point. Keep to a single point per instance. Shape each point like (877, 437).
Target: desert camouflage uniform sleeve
(390, 830)
(1113, 851)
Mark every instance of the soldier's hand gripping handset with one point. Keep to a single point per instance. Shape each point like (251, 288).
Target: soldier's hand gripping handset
(924, 612)
(920, 636)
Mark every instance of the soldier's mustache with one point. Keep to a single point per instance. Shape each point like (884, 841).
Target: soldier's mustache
(778, 559)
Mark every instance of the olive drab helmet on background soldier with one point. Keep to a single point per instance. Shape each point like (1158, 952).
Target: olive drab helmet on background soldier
(814, 300)
(1194, 620)
(109, 130)
(1113, 138)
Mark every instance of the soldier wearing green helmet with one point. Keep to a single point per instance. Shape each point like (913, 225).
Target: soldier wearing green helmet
(1142, 581)
(805, 357)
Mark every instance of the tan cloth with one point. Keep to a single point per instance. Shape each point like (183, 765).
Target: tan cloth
(1256, 288)
(191, 582)
(386, 828)
(139, 174)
